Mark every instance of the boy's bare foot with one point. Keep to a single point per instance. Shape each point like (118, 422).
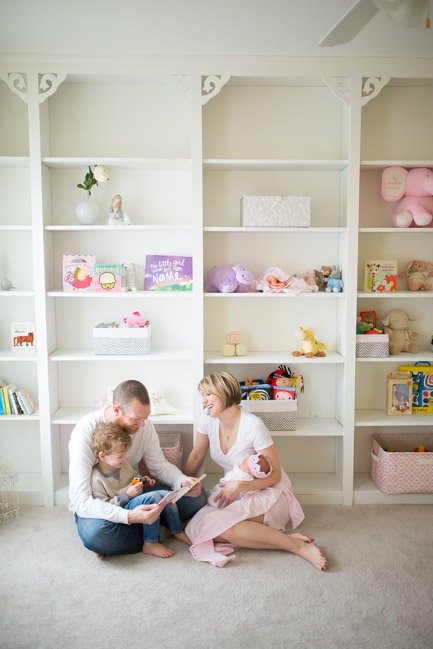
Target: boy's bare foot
(157, 550)
(181, 536)
(99, 555)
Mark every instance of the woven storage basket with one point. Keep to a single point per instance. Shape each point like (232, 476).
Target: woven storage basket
(403, 471)
(276, 415)
(372, 346)
(121, 342)
(171, 444)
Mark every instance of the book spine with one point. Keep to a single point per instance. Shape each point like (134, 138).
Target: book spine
(28, 399)
(14, 410)
(2, 403)
(6, 398)
(19, 410)
(21, 401)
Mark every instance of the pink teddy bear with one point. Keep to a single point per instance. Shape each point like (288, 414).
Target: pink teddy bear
(135, 320)
(416, 208)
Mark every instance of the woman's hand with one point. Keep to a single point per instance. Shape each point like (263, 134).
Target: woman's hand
(228, 494)
(195, 491)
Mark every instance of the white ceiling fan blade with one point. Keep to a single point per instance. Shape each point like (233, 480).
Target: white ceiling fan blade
(350, 24)
(409, 13)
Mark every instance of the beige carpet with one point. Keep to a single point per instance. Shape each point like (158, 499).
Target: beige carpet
(378, 591)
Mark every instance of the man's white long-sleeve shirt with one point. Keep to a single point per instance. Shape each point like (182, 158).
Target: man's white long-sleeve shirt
(145, 446)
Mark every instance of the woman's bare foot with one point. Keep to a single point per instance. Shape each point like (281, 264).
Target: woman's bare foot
(308, 550)
(99, 555)
(301, 537)
(157, 550)
(181, 536)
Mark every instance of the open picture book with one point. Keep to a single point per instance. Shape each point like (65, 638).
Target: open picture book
(175, 495)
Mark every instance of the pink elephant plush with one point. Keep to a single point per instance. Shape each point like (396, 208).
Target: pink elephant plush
(416, 208)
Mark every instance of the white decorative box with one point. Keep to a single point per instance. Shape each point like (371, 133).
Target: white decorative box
(276, 415)
(372, 345)
(122, 341)
(275, 211)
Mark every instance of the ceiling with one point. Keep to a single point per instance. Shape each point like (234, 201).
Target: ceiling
(193, 27)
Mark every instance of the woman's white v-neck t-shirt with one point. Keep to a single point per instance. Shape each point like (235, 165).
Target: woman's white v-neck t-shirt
(253, 436)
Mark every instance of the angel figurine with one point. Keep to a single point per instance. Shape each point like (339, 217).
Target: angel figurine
(116, 216)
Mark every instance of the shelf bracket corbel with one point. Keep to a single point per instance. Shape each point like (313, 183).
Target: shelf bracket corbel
(212, 86)
(341, 88)
(47, 84)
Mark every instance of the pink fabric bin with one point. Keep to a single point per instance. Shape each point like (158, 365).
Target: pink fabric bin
(403, 471)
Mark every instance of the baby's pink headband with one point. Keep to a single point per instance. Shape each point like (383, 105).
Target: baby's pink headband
(254, 464)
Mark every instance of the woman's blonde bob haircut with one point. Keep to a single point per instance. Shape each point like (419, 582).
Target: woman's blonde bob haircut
(223, 385)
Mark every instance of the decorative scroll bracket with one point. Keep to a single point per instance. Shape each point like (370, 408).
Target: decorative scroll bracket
(47, 84)
(212, 85)
(181, 84)
(341, 88)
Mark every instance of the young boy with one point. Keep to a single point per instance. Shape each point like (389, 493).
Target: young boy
(111, 481)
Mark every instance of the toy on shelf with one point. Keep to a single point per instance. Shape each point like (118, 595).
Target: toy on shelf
(116, 216)
(310, 278)
(134, 321)
(309, 345)
(400, 336)
(422, 377)
(322, 277)
(335, 283)
(399, 393)
(233, 345)
(6, 284)
(159, 404)
(277, 280)
(283, 378)
(128, 277)
(421, 449)
(229, 279)
(416, 208)
(417, 272)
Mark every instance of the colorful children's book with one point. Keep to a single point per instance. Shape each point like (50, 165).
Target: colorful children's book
(26, 401)
(23, 336)
(380, 276)
(107, 278)
(78, 272)
(5, 390)
(168, 273)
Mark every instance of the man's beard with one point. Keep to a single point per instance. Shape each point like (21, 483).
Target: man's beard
(129, 429)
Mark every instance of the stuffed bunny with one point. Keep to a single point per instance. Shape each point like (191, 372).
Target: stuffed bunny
(417, 206)
(417, 272)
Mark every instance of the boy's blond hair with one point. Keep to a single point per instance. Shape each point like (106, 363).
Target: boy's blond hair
(224, 385)
(108, 438)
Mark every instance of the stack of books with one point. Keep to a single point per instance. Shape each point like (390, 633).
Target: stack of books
(15, 401)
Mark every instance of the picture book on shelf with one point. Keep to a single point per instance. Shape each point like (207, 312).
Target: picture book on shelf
(23, 336)
(380, 276)
(107, 278)
(78, 272)
(168, 273)
(15, 401)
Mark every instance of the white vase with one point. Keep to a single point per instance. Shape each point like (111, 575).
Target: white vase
(87, 211)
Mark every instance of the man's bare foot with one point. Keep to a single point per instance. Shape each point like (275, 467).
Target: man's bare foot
(99, 555)
(181, 536)
(157, 550)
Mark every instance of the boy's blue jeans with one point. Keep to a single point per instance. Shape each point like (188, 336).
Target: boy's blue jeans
(105, 537)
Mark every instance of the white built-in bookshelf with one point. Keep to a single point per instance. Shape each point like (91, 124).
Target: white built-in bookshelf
(182, 157)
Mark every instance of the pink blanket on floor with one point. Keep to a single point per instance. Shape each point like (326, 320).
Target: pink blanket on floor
(211, 522)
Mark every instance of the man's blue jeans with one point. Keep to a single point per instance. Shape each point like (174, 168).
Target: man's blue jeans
(106, 537)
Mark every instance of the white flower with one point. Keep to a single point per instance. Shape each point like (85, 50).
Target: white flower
(101, 174)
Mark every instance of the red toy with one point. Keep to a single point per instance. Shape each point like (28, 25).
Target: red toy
(421, 449)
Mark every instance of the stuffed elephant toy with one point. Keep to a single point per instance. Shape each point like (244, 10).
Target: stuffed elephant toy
(416, 208)
(229, 279)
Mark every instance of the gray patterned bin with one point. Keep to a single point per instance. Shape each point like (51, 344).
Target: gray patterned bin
(121, 342)
(372, 346)
(276, 415)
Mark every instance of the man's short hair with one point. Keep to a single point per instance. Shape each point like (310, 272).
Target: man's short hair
(108, 438)
(127, 391)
